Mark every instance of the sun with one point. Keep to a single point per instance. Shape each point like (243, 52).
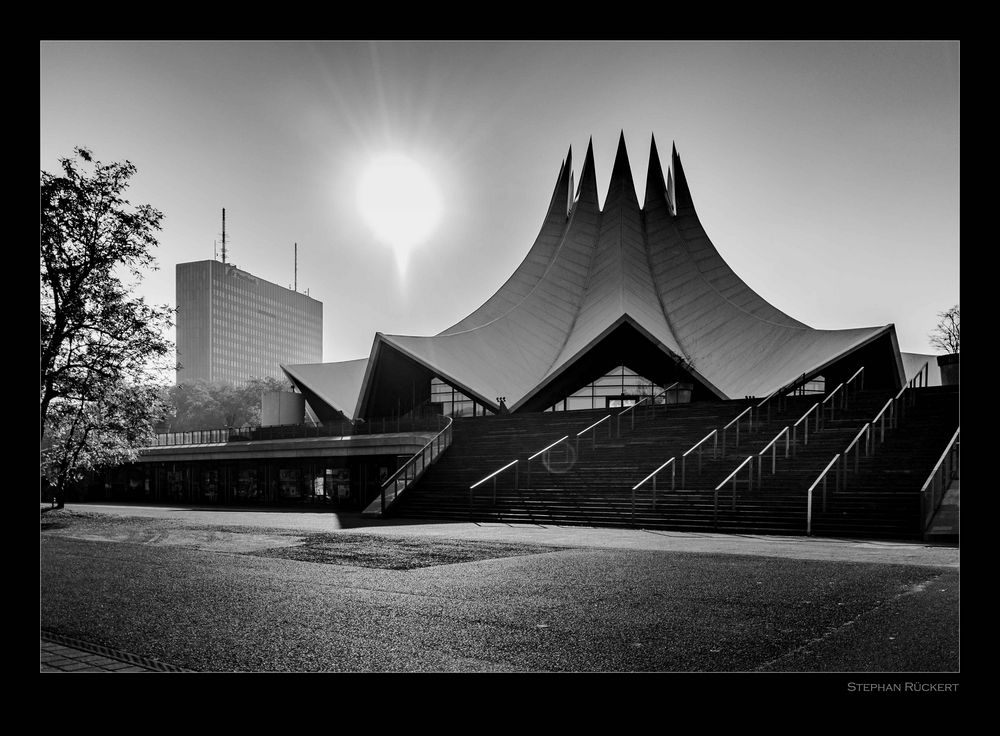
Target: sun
(399, 201)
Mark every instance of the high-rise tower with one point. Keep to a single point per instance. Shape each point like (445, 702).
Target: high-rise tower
(233, 326)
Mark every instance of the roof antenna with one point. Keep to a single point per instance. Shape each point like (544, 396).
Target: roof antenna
(296, 267)
(223, 234)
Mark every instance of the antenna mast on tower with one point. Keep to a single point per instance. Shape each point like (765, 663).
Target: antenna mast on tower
(223, 234)
(296, 267)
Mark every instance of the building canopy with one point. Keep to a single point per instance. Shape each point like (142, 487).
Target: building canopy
(641, 286)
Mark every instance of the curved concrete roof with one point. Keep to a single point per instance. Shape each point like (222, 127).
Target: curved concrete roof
(335, 384)
(591, 270)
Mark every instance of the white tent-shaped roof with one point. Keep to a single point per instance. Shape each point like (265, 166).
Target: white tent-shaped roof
(644, 283)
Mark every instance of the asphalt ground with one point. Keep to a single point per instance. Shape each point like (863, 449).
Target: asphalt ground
(217, 590)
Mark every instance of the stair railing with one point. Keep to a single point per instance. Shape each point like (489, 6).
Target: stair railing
(866, 432)
(748, 413)
(858, 381)
(773, 447)
(832, 404)
(697, 446)
(493, 475)
(650, 406)
(922, 376)
(898, 411)
(945, 470)
(804, 422)
(415, 467)
(759, 409)
(909, 400)
(544, 453)
(809, 494)
(880, 419)
(874, 433)
(570, 447)
(593, 430)
(732, 477)
(673, 479)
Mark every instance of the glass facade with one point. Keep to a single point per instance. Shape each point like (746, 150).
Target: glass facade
(348, 483)
(815, 385)
(233, 326)
(620, 387)
(454, 403)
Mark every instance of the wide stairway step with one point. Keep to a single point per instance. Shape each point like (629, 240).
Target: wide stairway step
(588, 479)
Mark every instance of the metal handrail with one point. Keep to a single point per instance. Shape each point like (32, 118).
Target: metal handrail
(494, 475)
(438, 444)
(738, 417)
(765, 401)
(594, 437)
(868, 430)
(738, 468)
(881, 417)
(901, 403)
(860, 371)
(923, 374)
(732, 476)
(830, 396)
(768, 397)
(865, 430)
(809, 496)
(673, 478)
(805, 418)
(651, 399)
(771, 446)
(546, 449)
(697, 446)
(653, 475)
(736, 421)
(527, 472)
(945, 468)
(412, 422)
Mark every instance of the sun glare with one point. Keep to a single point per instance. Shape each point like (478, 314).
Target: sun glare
(399, 201)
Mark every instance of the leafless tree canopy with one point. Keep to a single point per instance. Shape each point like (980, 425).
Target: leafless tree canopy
(945, 336)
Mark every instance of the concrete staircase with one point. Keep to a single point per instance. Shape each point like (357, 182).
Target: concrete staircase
(883, 499)
(577, 482)
(585, 484)
(774, 503)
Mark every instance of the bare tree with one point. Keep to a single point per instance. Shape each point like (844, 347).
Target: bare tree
(945, 336)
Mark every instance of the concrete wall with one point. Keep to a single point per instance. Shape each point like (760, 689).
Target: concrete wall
(281, 407)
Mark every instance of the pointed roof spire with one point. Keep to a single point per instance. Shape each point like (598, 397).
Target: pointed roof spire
(655, 187)
(682, 195)
(671, 202)
(569, 189)
(587, 192)
(561, 191)
(621, 176)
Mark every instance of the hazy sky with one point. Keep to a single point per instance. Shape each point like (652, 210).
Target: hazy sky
(826, 173)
